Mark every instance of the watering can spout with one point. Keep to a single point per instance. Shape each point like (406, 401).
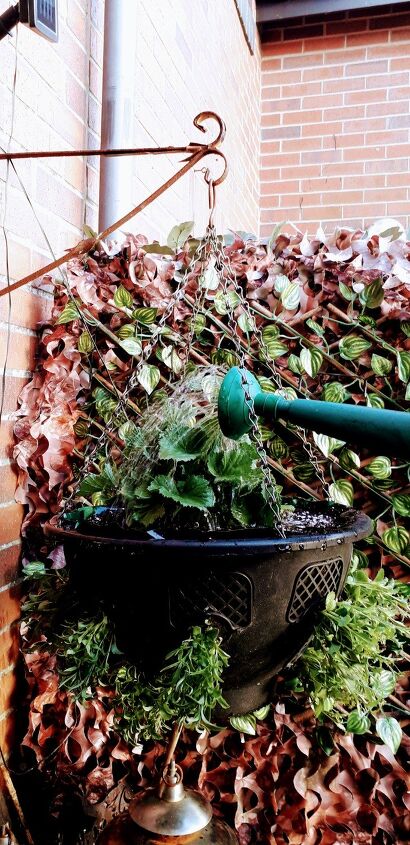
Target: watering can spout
(388, 432)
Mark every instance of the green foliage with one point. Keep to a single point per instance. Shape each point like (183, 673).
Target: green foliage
(186, 691)
(85, 649)
(349, 669)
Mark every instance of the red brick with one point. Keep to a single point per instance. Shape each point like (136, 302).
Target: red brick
(9, 564)
(19, 348)
(364, 96)
(345, 27)
(11, 518)
(8, 482)
(387, 137)
(366, 68)
(12, 391)
(9, 647)
(27, 308)
(7, 734)
(270, 120)
(9, 606)
(366, 38)
(389, 21)
(303, 32)
(400, 34)
(399, 93)
(385, 194)
(335, 72)
(303, 117)
(281, 105)
(307, 60)
(271, 201)
(8, 688)
(323, 44)
(281, 48)
(402, 208)
(287, 187)
(390, 80)
(323, 101)
(345, 57)
(363, 155)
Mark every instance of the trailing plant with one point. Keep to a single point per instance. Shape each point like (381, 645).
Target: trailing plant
(186, 691)
(352, 664)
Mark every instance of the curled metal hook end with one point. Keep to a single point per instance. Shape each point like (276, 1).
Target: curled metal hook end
(211, 115)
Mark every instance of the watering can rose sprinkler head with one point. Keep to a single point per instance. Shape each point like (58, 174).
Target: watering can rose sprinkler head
(386, 431)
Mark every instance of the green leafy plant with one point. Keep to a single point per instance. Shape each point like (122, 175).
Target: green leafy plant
(186, 691)
(177, 460)
(86, 649)
(350, 668)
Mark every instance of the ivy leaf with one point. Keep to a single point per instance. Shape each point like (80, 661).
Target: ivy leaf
(357, 723)
(342, 492)
(246, 323)
(401, 504)
(244, 724)
(210, 278)
(290, 296)
(171, 359)
(295, 364)
(179, 234)
(349, 459)
(353, 346)
(374, 401)
(311, 360)
(234, 465)
(304, 472)
(127, 330)
(274, 347)
(390, 732)
(383, 683)
(380, 467)
(396, 539)
(281, 283)
(85, 343)
(326, 444)
(198, 324)
(132, 346)
(346, 292)
(372, 295)
(278, 448)
(333, 391)
(149, 377)
(405, 327)
(381, 366)
(69, 313)
(193, 492)
(146, 316)
(123, 298)
(315, 327)
(403, 366)
(225, 302)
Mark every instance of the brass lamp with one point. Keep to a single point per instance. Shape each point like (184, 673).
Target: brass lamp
(168, 814)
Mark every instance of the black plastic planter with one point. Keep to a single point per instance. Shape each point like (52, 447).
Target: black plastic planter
(261, 591)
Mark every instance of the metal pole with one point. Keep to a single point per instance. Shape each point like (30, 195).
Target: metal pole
(9, 19)
(116, 174)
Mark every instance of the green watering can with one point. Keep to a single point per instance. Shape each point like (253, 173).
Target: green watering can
(387, 432)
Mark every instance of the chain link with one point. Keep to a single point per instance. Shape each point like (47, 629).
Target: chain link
(230, 277)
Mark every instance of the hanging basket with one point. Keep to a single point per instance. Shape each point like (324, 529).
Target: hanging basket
(261, 591)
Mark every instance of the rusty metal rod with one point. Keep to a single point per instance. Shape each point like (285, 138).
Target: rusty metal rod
(196, 153)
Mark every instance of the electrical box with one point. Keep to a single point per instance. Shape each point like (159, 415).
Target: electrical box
(41, 15)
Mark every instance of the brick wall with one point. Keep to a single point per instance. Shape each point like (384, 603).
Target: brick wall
(49, 110)
(193, 57)
(335, 123)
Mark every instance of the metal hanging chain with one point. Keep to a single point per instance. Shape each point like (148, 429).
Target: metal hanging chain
(229, 277)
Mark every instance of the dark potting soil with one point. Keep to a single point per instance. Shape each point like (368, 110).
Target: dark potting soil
(304, 518)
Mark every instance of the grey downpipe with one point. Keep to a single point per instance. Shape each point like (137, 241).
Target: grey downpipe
(117, 119)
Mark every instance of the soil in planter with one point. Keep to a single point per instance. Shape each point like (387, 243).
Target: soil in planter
(304, 518)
